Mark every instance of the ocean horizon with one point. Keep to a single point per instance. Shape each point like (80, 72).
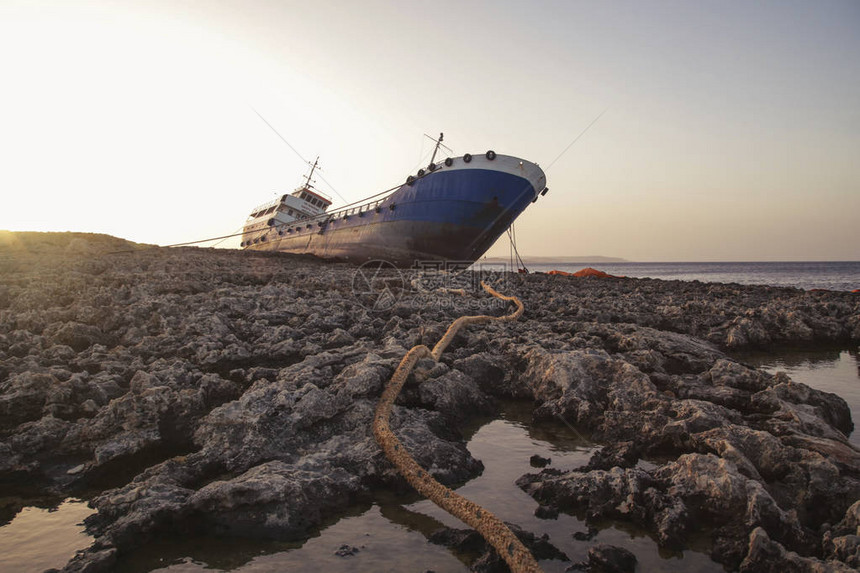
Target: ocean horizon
(806, 275)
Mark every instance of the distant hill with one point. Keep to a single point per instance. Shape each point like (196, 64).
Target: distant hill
(72, 242)
(559, 260)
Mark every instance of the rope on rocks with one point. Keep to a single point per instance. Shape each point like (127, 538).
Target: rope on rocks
(493, 529)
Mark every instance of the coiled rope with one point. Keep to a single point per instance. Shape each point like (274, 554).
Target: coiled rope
(493, 529)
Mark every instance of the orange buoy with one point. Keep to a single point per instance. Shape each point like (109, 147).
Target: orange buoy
(590, 272)
(585, 273)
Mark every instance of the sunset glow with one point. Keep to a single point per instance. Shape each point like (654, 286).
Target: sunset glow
(731, 130)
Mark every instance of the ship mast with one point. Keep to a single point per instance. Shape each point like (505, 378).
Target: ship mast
(438, 143)
(309, 175)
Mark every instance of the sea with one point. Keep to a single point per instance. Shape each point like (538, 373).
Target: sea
(390, 532)
(837, 276)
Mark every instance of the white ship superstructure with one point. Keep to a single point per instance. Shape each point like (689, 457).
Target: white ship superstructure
(306, 202)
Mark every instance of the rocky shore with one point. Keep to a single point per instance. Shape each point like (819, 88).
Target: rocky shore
(228, 393)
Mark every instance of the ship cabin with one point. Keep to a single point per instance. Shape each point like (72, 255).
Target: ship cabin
(303, 203)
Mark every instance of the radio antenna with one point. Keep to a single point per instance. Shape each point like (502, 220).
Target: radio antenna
(439, 144)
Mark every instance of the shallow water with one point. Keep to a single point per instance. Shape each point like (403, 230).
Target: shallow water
(39, 538)
(391, 532)
(831, 370)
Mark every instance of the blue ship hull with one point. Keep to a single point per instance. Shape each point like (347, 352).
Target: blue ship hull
(454, 213)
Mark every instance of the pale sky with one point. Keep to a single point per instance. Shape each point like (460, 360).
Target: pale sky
(731, 132)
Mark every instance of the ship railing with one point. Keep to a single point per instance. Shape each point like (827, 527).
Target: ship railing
(350, 211)
(266, 205)
(342, 213)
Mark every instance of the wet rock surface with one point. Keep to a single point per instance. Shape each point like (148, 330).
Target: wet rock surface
(469, 541)
(603, 558)
(203, 391)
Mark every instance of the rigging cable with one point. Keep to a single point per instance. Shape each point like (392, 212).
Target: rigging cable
(308, 220)
(512, 237)
(296, 152)
(522, 262)
(224, 239)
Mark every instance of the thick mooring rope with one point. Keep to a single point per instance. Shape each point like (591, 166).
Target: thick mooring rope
(515, 554)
